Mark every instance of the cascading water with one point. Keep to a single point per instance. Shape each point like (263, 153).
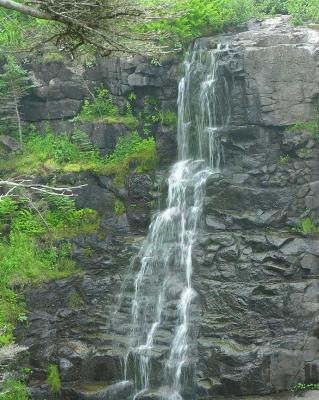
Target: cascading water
(162, 334)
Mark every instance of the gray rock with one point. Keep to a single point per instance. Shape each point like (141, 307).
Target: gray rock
(10, 143)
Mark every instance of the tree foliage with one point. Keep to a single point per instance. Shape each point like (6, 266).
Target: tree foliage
(14, 84)
(107, 25)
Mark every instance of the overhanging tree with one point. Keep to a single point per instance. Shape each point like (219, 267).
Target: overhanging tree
(107, 25)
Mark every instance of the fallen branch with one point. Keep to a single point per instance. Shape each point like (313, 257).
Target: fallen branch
(28, 185)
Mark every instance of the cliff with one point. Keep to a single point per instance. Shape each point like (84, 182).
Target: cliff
(256, 269)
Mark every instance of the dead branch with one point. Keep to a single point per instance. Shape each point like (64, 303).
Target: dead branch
(30, 186)
(99, 23)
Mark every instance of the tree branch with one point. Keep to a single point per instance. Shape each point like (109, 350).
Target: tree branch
(33, 187)
(32, 12)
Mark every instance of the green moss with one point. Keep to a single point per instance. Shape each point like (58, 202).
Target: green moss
(54, 380)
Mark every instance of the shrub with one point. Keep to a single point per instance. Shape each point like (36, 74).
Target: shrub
(273, 6)
(103, 109)
(303, 11)
(15, 390)
(129, 152)
(204, 17)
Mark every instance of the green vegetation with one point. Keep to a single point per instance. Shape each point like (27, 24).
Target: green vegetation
(203, 17)
(51, 154)
(303, 11)
(18, 30)
(305, 386)
(54, 380)
(152, 114)
(283, 160)
(75, 301)
(187, 20)
(33, 249)
(119, 207)
(206, 17)
(102, 109)
(133, 152)
(307, 226)
(15, 390)
(311, 127)
(14, 84)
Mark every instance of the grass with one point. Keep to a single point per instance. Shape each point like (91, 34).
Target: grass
(52, 154)
(54, 380)
(309, 126)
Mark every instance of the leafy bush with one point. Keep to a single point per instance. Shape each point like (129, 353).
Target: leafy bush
(54, 380)
(103, 109)
(305, 386)
(51, 146)
(15, 390)
(204, 17)
(130, 151)
(303, 11)
(273, 6)
(8, 208)
(101, 106)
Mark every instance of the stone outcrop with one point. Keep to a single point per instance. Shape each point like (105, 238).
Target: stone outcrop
(61, 87)
(255, 274)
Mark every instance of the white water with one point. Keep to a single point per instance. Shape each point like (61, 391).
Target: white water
(163, 294)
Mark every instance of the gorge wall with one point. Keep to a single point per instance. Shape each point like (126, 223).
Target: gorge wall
(255, 274)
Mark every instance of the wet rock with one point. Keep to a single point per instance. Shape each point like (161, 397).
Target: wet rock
(10, 143)
(117, 391)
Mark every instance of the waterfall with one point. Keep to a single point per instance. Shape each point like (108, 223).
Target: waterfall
(161, 352)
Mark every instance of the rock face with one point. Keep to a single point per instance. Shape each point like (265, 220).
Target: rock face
(256, 276)
(60, 89)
